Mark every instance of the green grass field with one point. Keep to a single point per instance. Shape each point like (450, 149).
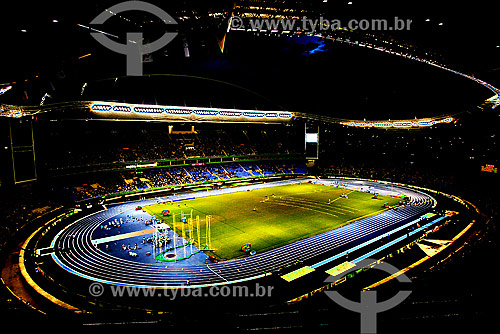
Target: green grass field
(272, 217)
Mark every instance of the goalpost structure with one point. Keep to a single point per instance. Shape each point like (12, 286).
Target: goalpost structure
(208, 232)
(191, 231)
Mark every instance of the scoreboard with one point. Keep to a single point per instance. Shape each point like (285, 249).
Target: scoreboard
(311, 142)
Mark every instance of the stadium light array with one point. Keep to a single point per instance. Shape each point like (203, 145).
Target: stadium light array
(177, 113)
(399, 124)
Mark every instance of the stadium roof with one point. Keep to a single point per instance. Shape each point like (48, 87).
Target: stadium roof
(53, 58)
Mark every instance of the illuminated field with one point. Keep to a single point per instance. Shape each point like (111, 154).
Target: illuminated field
(272, 217)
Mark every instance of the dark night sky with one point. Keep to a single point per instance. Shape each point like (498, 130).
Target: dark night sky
(339, 80)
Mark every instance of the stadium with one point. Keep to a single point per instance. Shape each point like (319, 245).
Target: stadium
(250, 172)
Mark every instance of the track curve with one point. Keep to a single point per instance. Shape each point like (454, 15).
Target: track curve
(84, 259)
